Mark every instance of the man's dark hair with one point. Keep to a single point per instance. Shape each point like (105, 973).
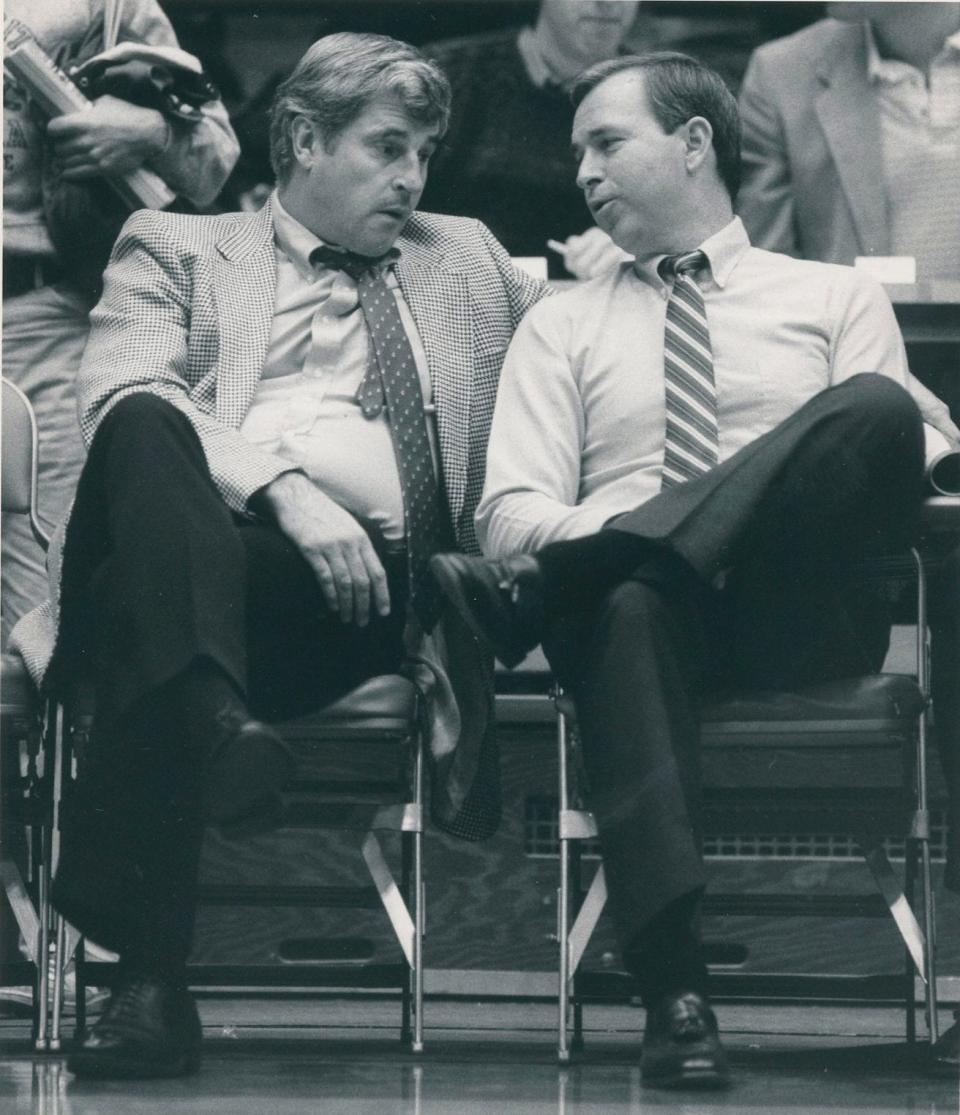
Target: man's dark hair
(679, 87)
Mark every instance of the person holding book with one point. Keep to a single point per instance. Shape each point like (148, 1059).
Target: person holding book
(54, 252)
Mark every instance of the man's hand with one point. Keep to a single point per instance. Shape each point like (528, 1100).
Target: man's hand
(589, 254)
(335, 545)
(111, 138)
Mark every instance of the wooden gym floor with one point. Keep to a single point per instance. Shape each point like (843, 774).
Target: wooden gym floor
(268, 1056)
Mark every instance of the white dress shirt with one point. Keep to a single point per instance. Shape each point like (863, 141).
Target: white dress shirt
(304, 408)
(578, 428)
(920, 132)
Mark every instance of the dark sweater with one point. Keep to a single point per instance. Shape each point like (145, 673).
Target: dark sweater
(506, 159)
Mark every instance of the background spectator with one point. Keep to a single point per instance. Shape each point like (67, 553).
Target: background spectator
(46, 300)
(507, 157)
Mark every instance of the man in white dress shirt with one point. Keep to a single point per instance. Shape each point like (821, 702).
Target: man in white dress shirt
(689, 455)
(286, 414)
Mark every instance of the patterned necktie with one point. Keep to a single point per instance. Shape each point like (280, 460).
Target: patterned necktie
(392, 381)
(691, 440)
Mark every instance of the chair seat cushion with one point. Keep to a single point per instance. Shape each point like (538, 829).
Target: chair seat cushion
(389, 695)
(18, 695)
(880, 697)
(383, 705)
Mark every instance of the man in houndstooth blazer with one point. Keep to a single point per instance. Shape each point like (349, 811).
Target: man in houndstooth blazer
(206, 578)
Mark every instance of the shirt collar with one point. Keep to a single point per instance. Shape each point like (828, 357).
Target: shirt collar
(892, 70)
(724, 250)
(296, 241)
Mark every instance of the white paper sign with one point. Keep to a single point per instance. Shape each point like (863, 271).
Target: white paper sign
(889, 269)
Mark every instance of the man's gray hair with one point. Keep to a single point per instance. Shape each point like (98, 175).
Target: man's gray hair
(340, 75)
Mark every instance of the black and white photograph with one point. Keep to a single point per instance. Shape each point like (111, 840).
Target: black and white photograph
(480, 557)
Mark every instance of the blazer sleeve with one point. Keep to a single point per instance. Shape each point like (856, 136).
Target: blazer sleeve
(198, 157)
(766, 199)
(140, 338)
(523, 291)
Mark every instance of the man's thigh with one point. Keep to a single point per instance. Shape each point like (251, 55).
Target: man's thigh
(300, 656)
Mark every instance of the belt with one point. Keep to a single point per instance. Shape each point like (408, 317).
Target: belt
(25, 273)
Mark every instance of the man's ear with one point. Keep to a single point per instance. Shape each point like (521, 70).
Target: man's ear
(698, 136)
(305, 141)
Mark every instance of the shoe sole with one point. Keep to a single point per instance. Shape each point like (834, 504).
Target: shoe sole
(98, 1067)
(246, 776)
(448, 581)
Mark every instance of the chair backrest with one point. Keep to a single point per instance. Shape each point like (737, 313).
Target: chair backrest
(20, 458)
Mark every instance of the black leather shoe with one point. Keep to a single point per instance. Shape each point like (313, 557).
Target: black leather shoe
(147, 1029)
(681, 1046)
(248, 764)
(500, 601)
(946, 1051)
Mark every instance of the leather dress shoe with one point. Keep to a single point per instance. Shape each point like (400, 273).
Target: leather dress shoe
(681, 1046)
(247, 766)
(500, 601)
(147, 1029)
(946, 1052)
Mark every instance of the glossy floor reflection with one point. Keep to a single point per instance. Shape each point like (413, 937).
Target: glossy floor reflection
(269, 1059)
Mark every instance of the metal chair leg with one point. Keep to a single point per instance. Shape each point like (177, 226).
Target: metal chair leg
(419, 903)
(43, 944)
(406, 889)
(563, 898)
(59, 975)
(930, 933)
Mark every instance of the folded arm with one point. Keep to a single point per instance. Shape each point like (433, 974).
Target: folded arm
(115, 137)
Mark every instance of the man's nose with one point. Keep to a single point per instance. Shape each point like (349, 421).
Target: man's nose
(412, 176)
(588, 171)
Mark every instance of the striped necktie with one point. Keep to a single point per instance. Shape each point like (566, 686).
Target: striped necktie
(392, 382)
(691, 441)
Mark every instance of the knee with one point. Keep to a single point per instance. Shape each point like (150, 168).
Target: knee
(881, 403)
(139, 418)
(632, 608)
(140, 408)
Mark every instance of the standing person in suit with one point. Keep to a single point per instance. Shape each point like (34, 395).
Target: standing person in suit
(851, 137)
(851, 147)
(689, 456)
(50, 252)
(287, 412)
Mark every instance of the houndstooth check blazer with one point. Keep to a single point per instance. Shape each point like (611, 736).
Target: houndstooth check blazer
(186, 314)
(187, 310)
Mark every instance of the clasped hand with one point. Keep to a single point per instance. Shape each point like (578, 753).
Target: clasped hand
(113, 137)
(337, 547)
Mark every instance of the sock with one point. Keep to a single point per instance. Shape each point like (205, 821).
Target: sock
(666, 956)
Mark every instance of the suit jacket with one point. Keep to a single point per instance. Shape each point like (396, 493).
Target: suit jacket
(186, 314)
(812, 150)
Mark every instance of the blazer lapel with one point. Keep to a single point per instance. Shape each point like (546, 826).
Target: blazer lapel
(246, 280)
(439, 299)
(848, 115)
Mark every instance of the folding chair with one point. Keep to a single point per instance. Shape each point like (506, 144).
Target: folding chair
(29, 742)
(384, 712)
(335, 791)
(883, 716)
